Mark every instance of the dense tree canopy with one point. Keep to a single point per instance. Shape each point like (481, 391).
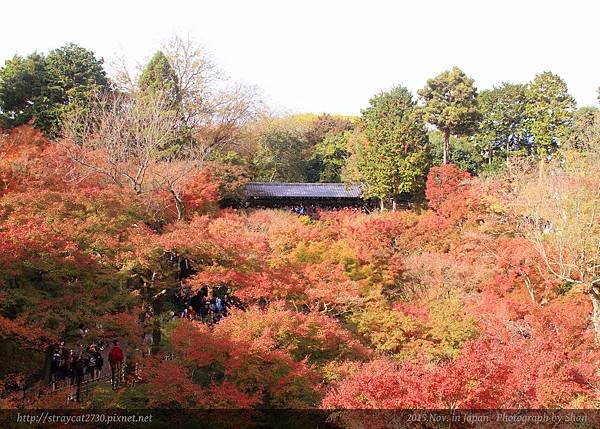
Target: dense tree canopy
(330, 156)
(327, 136)
(159, 76)
(550, 107)
(46, 87)
(585, 132)
(282, 152)
(395, 158)
(481, 294)
(21, 84)
(334, 311)
(504, 127)
(466, 153)
(450, 104)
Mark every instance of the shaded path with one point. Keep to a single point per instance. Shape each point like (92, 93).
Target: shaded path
(42, 388)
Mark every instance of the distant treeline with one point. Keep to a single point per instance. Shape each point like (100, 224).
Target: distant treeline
(389, 148)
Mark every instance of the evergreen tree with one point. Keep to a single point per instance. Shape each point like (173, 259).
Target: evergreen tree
(328, 144)
(451, 105)
(550, 109)
(159, 76)
(584, 134)
(21, 83)
(395, 159)
(464, 152)
(330, 156)
(503, 126)
(74, 76)
(46, 88)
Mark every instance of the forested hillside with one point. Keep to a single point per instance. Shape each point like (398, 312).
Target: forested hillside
(485, 293)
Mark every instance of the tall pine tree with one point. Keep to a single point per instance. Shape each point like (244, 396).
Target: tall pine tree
(450, 103)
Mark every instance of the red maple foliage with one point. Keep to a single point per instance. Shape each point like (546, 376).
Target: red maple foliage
(442, 308)
(201, 193)
(486, 374)
(442, 182)
(252, 368)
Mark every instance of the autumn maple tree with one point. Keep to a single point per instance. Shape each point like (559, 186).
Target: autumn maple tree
(472, 302)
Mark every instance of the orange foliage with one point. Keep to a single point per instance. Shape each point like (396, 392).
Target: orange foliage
(443, 182)
(313, 336)
(461, 303)
(201, 193)
(487, 374)
(270, 375)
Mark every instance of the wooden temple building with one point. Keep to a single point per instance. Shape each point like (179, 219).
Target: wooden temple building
(325, 195)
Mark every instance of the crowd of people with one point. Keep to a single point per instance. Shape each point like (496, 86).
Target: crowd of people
(73, 366)
(206, 309)
(313, 211)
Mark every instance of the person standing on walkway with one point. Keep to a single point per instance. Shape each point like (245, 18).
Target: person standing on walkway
(95, 362)
(115, 359)
(78, 369)
(58, 365)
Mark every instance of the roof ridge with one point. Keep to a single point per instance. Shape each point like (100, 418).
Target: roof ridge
(303, 183)
(303, 190)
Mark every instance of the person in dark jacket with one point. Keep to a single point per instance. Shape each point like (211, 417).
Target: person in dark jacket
(95, 362)
(68, 368)
(78, 370)
(58, 364)
(226, 304)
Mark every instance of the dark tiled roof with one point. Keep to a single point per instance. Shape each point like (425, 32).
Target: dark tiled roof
(302, 190)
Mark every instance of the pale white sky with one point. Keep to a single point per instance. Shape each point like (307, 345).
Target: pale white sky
(332, 56)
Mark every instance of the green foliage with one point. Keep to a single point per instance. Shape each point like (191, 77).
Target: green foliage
(449, 328)
(104, 397)
(21, 84)
(387, 331)
(464, 152)
(301, 148)
(584, 134)
(439, 337)
(396, 157)
(74, 76)
(325, 124)
(46, 88)
(550, 108)
(503, 129)
(281, 154)
(159, 76)
(450, 104)
(330, 155)
(328, 147)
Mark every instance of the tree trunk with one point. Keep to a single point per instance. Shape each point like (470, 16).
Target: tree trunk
(595, 297)
(490, 156)
(507, 156)
(446, 146)
(179, 206)
(381, 206)
(394, 204)
(530, 288)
